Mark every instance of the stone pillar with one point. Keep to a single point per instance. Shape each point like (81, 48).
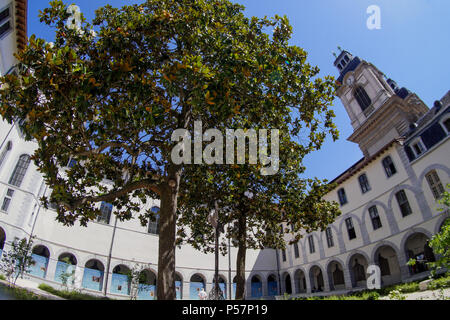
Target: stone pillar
(186, 290)
(79, 273)
(308, 282)
(347, 279)
(404, 269)
(51, 269)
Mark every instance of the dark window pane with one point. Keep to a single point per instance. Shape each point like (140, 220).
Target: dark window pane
(362, 98)
(105, 209)
(4, 28)
(364, 183)
(6, 202)
(4, 15)
(20, 170)
(342, 196)
(389, 166)
(403, 203)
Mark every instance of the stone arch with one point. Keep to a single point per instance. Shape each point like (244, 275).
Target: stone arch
(256, 285)
(300, 281)
(435, 166)
(287, 282)
(335, 273)
(387, 256)
(41, 256)
(340, 240)
(87, 258)
(392, 223)
(179, 280)
(361, 225)
(415, 246)
(272, 285)
(358, 268)
(64, 251)
(2, 239)
(440, 222)
(316, 278)
(70, 256)
(147, 284)
(93, 274)
(120, 280)
(396, 189)
(197, 284)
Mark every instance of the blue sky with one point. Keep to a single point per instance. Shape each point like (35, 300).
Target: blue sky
(412, 47)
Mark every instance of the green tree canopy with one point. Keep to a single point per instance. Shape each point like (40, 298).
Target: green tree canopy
(111, 99)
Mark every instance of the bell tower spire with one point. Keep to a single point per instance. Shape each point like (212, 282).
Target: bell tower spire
(378, 109)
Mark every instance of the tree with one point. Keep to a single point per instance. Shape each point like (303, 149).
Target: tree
(440, 242)
(110, 99)
(17, 260)
(68, 276)
(136, 276)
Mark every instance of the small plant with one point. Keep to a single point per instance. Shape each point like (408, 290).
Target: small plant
(17, 260)
(67, 277)
(135, 277)
(396, 295)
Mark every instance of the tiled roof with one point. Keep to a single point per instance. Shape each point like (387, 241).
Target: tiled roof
(21, 23)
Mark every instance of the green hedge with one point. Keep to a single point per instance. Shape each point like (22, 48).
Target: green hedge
(21, 294)
(70, 295)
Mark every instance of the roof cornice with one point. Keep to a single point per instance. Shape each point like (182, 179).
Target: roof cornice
(21, 7)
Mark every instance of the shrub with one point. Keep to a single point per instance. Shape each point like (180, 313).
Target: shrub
(70, 295)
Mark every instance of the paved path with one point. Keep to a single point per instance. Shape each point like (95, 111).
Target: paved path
(33, 287)
(426, 295)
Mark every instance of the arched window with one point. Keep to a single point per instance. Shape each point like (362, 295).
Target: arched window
(153, 224)
(20, 170)
(5, 152)
(362, 98)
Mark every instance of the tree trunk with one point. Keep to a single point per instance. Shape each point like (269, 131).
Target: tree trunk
(240, 261)
(167, 230)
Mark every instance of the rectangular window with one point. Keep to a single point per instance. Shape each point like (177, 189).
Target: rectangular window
(418, 148)
(389, 166)
(330, 240)
(350, 228)
(5, 21)
(7, 200)
(364, 183)
(312, 249)
(435, 184)
(283, 254)
(296, 251)
(105, 209)
(375, 217)
(342, 197)
(403, 203)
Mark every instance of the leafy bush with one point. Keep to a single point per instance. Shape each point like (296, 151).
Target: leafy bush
(2, 277)
(440, 283)
(21, 294)
(70, 295)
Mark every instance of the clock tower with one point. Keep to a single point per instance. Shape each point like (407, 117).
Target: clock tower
(378, 109)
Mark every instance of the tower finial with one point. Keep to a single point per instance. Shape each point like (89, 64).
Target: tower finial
(340, 49)
(334, 54)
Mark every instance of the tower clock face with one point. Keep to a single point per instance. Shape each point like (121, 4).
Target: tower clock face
(350, 80)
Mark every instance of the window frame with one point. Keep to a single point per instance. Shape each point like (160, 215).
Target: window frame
(19, 172)
(101, 218)
(283, 255)
(364, 185)
(8, 196)
(404, 204)
(442, 123)
(419, 143)
(387, 167)
(375, 216)
(340, 192)
(360, 94)
(154, 224)
(296, 250)
(435, 183)
(9, 19)
(329, 236)
(351, 231)
(312, 247)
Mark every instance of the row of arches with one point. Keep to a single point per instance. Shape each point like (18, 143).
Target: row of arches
(338, 275)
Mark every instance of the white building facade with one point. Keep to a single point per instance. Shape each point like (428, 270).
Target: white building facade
(388, 203)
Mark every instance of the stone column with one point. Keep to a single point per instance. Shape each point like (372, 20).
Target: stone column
(51, 269)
